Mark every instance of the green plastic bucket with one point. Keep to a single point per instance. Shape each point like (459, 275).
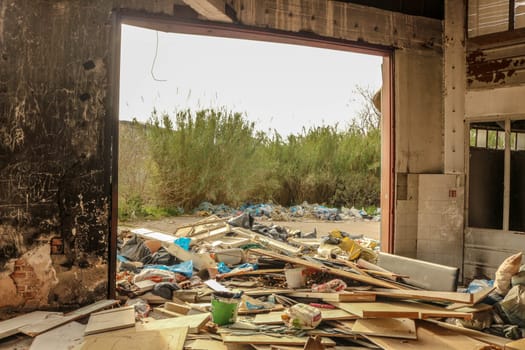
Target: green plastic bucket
(224, 311)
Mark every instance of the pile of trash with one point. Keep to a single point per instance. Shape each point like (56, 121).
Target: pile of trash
(223, 283)
(280, 213)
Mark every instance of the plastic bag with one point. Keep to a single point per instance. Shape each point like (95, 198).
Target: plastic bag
(508, 268)
(334, 285)
(185, 268)
(302, 316)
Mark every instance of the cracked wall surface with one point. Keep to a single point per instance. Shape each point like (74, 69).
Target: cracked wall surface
(56, 117)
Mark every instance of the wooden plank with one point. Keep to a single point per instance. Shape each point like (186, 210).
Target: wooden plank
(331, 270)
(245, 273)
(407, 309)
(274, 244)
(65, 337)
(109, 321)
(205, 344)
(178, 308)
(11, 326)
(481, 336)
(40, 327)
(339, 297)
(378, 309)
(269, 339)
(193, 322)
(516, 345)
(168, 313)
(327, 314)
(165, 339)
(430, 337)
(260, 292)
(424, 295)
(386, 327)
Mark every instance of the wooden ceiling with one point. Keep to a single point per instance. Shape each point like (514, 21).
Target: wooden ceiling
(424, 8)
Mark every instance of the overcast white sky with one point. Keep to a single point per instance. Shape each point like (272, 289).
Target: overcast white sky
(279, 86)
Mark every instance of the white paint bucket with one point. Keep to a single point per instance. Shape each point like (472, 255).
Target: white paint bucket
(295, 277)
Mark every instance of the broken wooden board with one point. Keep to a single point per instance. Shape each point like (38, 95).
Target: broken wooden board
(338, 297)
(192, 322)
(165, 339)
(476, 298)
(201, 261)
(40, 327)
(11, 326)
(327, 314)
(331, 270)
(274, 244)
(252, 272)
(516, 345)
(430, 337)
(177, 307)
(271, 340)
(452, 297)
(261, 292)
(498, 342)
(111, 320)
(406, 309)
(206, 344)
(386, 327)
(65, 337)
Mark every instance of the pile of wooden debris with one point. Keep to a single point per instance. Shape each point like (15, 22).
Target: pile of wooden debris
(246, 290)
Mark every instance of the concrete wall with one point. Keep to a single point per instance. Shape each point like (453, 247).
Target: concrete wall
(440, 219)
(495, 88)
(56, 124)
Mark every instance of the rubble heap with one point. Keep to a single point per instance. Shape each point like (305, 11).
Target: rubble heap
(236, 284)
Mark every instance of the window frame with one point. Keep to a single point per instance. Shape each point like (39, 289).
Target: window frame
(508, 119)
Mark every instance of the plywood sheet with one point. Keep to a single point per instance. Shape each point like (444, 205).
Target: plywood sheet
(327, 314)
(163, 339)
(268, 339)
(205, 344)
(110, 320)
(407, 309)
(516, 345)
(337, 272)
(52, 322)
(193, 322)
(65, 337)
(452, 297)
(386, 327)
(342, 297)
(430, 337)
(11, 326)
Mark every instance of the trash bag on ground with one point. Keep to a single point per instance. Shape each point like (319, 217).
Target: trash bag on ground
(134, 249)
(508, 268)
(160, 257)
(165, 289)
(513, 306)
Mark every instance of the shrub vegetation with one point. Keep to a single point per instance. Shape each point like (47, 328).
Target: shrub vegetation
(217, 155)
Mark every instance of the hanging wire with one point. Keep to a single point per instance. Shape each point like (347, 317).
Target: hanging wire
(155, 59)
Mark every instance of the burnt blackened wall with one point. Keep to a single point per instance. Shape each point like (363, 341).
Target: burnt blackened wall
(56, 117)
(55, 151)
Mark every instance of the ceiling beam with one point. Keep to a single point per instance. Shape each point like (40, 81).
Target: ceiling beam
(213, 10)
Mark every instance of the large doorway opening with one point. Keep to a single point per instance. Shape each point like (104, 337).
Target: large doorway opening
(268, 128)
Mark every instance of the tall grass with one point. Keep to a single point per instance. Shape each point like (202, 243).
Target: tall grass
(217, 155)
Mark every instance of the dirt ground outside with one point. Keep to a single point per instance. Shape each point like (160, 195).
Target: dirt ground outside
(369, 229)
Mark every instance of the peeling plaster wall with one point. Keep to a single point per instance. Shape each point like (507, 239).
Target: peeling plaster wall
(495, 87)
(55, 126)
(55, 149)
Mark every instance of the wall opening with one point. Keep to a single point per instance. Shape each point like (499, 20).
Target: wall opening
(496, 169)
(243, 33)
